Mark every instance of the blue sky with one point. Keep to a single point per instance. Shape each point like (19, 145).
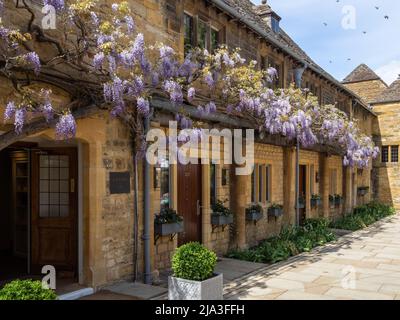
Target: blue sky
(331, 46)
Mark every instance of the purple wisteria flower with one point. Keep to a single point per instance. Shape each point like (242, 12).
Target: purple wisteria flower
(10, 110)
(19, 120)
(66, 127)
(98, 60)
(130, 23)
(143, 106)
(174, 90)
(33, 59)
(57, 4)
(209, 80)
(191, 94)
(47, 108)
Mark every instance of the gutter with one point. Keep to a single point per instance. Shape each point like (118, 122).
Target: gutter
(262, 32)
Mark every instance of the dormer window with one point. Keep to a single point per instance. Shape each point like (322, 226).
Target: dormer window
(274, 24)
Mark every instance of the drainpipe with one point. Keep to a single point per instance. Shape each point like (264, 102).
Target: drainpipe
(146, 211)
(297, 193)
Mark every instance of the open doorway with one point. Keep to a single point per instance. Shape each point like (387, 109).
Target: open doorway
(39, 211)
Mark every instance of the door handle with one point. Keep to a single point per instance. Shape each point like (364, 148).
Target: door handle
(72, 186)
(198, 207)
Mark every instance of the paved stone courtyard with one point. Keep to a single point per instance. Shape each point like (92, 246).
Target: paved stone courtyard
(361, 265)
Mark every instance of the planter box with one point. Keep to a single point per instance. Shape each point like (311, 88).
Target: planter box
(167, 229)
(181, 289)
(362, 192)
(316, 203)
(275, 212)
(252, 215)
(221, 220)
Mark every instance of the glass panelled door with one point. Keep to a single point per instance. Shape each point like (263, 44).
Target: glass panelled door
(54, 208)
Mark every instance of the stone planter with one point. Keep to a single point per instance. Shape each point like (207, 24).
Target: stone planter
(315, 203)
(181, 289)
(275, 212)
(221, 220)
(252, 215)
(167, 229)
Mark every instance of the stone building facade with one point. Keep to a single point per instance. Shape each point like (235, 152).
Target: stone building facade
(109, 225)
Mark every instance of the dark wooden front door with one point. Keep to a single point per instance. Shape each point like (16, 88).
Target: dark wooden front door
(54, 209)
(189, 202)
(302, 192)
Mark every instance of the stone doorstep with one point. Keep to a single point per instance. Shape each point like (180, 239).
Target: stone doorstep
(137, 290)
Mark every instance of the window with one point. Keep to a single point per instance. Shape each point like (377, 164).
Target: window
(260, 183)
(224, 177)
(253, 185)
(202, 34)
(267, 183)
(213, 184)
(188, 22)
(162, 181)
(394, 153)
(385, 154)
(333, 182)
(275, 25)
(214, 39)
(269, 62)
(312, 179)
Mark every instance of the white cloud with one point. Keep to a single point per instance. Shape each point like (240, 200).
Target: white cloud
(389, 72)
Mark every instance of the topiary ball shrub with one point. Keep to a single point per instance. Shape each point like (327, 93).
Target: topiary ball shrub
(26, 290)
(193, 261)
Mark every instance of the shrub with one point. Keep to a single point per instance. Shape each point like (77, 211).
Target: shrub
(291, 241)
(26, 290)
(364, 216)
(193, 261)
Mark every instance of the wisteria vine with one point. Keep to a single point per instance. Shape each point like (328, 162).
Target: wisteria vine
(131, 72)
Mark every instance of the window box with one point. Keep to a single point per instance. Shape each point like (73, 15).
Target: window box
(275, 212)
(315, 203)
(362, 191)
(167, 229)
(218, 219)
(254, 215)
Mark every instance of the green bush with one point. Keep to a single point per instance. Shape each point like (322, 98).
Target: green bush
(364, 216)
(193, 261)
(26, 290)
(290, 242)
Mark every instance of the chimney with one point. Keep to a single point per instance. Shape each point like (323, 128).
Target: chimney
(270, 17)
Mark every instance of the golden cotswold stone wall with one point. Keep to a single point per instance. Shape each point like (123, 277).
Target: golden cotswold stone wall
(387, 132)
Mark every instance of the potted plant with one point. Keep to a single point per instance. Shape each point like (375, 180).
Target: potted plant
(338, 200)
(275, 210)
(316, 200)
(168, 222)
(254, 212)
(193, 274)
(221, 215)
(362, 191)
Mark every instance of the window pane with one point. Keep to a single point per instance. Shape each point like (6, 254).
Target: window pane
(188, 21)
(64, 198)
(63, 186)
(202, 35)
(44, 161)
(44, 211)
(64, 211)
(54, 186)
(44, 198)
(44, 173)
(385, 154)
(44, 186)
(54, 173)
(54, 211)
(64, 172)
(54, 161)
(54, 198)
(214, 39)
(213, 197)
(395, 153)
(64, 162)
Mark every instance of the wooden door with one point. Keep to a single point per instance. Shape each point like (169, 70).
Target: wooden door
(54, 209)
(303, 192)
(189, 202)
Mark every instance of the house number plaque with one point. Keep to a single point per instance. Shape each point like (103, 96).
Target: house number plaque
(120, 182)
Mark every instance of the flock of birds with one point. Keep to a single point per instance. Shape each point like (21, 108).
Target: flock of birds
(386, 17)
